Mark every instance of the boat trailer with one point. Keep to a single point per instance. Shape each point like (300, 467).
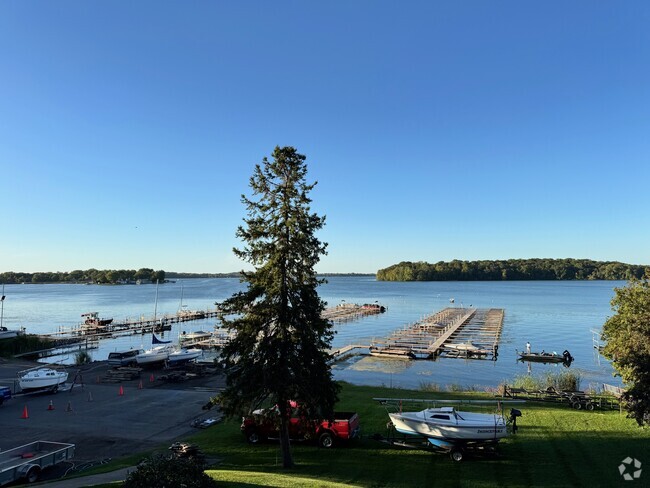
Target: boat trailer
(457, 450)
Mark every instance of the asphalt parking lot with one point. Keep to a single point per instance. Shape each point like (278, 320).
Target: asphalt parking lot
(100, 421)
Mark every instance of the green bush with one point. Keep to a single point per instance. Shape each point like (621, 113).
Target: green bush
(564, 380)
(163, 472)
(82, 357)
(430, 387)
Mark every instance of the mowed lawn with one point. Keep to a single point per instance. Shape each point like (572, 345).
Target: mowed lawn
(555, 446)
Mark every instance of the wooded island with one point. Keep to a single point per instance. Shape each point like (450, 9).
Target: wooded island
(511, 269)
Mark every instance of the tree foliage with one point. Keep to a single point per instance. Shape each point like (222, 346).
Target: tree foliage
(627, 334)
(280, 351)
(106, 276)
(511, 269)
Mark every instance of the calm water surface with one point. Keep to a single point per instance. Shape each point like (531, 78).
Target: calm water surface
(551, 315)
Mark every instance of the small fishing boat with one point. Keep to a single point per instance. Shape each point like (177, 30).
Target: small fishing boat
(546, 357)
(449, 424)
(92, 319)
(41, 378)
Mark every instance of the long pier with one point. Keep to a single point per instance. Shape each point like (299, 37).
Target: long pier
(130, 326)
(452, 332)
(75, 337)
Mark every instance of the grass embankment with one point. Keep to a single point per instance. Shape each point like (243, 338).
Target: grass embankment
(555, 446)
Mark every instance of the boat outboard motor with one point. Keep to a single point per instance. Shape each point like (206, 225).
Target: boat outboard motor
(514, 413)
(567, 356)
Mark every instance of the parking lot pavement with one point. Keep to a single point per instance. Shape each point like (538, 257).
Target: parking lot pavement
(105, 420)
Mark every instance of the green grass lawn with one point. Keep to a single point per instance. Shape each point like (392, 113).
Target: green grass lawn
(555, 446)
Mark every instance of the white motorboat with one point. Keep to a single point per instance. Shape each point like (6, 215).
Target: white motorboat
(41, 379)
(448, 424)
(156, 354)
(220, 337)
(463, 346)
(468, 348)
(9, 333)
(183, 355)
(199, 335)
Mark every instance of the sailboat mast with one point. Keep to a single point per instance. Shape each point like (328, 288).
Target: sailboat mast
(155, 307)
(2, 306)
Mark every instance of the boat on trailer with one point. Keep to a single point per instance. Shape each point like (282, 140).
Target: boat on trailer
(183, 355)
(447, 423)
(446, 428)
(41, 378)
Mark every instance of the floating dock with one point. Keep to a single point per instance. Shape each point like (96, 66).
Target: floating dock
(346, 312)
(453, 332)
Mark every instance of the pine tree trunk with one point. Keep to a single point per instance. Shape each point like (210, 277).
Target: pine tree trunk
(287, 458)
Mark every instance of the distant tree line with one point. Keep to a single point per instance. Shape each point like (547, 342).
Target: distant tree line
(104, 276)
(179, 275)
(511, 269)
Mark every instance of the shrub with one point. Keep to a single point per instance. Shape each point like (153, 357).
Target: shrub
(429, 387)
(161, 471)
(564, 380)
(82, 357)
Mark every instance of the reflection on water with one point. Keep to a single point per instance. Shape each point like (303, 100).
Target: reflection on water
(380, 365)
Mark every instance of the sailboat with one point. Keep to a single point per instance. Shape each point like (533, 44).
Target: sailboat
(160, 349)
(4, 332)
(181, 354)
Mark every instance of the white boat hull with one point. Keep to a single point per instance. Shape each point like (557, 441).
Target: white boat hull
(475, 427)
(42, 379)
(9, 333)
(184, 355)
(157, 354)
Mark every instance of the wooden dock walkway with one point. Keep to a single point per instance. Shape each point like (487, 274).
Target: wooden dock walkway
(131, 326)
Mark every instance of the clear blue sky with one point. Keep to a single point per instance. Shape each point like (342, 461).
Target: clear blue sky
(436, 130)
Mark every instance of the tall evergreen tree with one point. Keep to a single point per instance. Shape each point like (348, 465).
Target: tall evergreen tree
(280, 350)
(628, 345)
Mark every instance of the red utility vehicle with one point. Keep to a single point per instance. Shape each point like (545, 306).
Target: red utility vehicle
(261, 426)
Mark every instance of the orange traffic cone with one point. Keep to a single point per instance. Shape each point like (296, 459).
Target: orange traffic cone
(50, 406)
(151, 378)
(69, 409)
(140, 385)
(121, 393)
(25, 413)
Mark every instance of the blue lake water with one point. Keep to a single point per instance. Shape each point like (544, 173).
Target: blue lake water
(552, 315)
